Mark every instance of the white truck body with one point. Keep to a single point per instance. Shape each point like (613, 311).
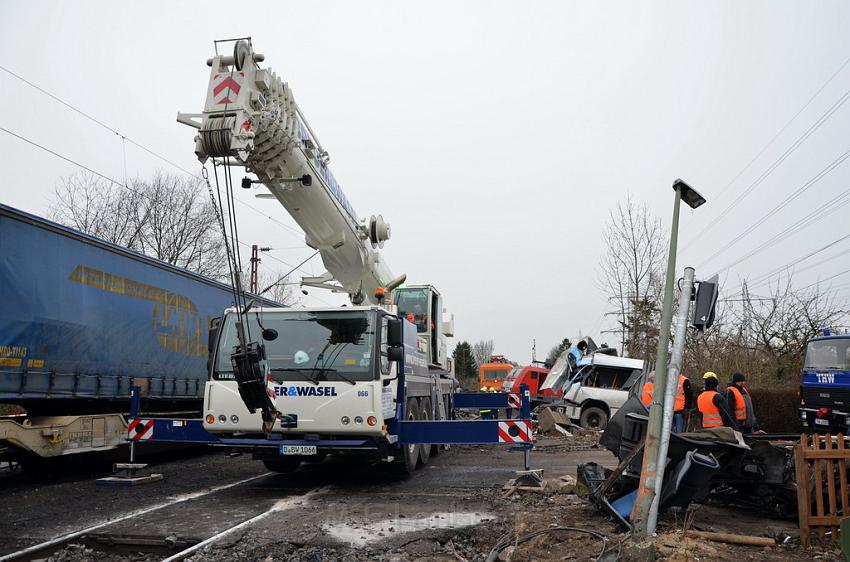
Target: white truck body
(319, 382)
(594, 392)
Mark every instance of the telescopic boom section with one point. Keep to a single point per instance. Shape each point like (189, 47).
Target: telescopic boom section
(250, 118)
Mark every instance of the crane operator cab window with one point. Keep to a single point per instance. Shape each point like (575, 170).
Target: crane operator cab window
(413, 305)
(310, 346)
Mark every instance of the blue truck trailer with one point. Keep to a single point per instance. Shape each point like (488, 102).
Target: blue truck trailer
(825, 385)
(82, 321)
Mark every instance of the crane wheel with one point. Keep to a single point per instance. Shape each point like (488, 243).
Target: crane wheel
(408, 455)
(425, 413)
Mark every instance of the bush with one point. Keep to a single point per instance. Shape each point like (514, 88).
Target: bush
(777, 409)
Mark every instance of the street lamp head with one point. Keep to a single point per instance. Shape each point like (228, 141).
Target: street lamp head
(688, 194)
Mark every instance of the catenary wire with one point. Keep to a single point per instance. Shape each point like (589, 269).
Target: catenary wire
(111, 180)
(761, 279)
(822, 212)
(139, 145)
(782, 130)
(785, 202)
(770, 169)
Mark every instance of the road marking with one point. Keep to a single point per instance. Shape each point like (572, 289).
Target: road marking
(280, 505)
(174, 501)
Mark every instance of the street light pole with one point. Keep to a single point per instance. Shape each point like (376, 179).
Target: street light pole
(649, 471)
(672, 386)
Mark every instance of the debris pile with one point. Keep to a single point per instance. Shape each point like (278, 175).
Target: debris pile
(553, 423)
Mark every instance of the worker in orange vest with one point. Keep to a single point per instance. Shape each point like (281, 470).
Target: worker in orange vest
(713, 406)
(647, 390)
(684, 401)
(741, 404)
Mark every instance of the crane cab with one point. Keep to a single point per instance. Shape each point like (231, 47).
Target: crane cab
(422, 306)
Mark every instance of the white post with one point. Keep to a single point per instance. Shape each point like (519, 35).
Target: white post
(670, 390)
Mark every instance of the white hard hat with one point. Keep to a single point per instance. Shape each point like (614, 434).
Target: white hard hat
(300, 357)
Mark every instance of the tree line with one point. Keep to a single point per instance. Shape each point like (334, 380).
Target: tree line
(168, 217)
(762, 336)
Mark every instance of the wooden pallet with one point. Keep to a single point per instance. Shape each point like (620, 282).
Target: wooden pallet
(817, 457)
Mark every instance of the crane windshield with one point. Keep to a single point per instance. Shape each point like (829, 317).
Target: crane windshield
(318, 346)
(413, 305)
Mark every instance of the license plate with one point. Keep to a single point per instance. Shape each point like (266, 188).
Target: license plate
(297, 449)
(819, 421)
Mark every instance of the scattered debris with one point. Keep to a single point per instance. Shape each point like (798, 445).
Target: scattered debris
(734, 539)
(553, 422)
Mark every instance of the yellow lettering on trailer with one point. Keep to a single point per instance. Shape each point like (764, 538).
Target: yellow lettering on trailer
(166, 305)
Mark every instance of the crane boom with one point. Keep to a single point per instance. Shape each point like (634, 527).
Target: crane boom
(251, 116)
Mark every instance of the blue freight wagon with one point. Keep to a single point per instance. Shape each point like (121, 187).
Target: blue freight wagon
(81, 321)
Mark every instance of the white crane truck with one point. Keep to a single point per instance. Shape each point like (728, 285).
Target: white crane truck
(372, 378)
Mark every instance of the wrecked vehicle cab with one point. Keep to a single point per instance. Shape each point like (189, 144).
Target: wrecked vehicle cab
(594, 388)
(718, 463)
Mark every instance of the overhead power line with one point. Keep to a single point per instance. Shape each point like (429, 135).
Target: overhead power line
(113, 181)
(782, 130)
(776, 163)
(817, 215)
(767, 277)
(819, 281)
(802, 189)
(137, 144)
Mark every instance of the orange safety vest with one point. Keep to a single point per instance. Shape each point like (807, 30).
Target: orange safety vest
(710, 412)
(646, 393)
(740, 403)
(680, 395)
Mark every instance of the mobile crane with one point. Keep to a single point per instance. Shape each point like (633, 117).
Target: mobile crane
(294, 384)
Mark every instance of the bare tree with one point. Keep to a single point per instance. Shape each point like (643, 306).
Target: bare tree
(274, 287)
(631, 273)
(98, 207)
(181, 225)
(168, 217)
(764, 337)
(482, 350)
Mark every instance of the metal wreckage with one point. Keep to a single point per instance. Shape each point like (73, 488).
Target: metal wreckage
(755, 472)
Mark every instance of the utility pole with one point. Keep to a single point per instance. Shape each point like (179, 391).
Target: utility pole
(533, 351)
(671, 388)
(649, 471)
(255, 260)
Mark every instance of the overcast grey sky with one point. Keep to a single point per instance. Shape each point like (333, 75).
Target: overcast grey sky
(493, 136)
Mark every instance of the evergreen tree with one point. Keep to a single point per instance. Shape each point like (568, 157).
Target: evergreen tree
(556, 351)
(465, 366)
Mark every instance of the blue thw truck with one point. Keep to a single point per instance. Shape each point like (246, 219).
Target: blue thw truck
(825, 386)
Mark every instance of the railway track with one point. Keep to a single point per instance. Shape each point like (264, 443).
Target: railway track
(179, 527)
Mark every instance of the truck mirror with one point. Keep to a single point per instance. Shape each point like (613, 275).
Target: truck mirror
(706, 302)
(394, 333)
(395, 353)
(212, 333)
(269, 334)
